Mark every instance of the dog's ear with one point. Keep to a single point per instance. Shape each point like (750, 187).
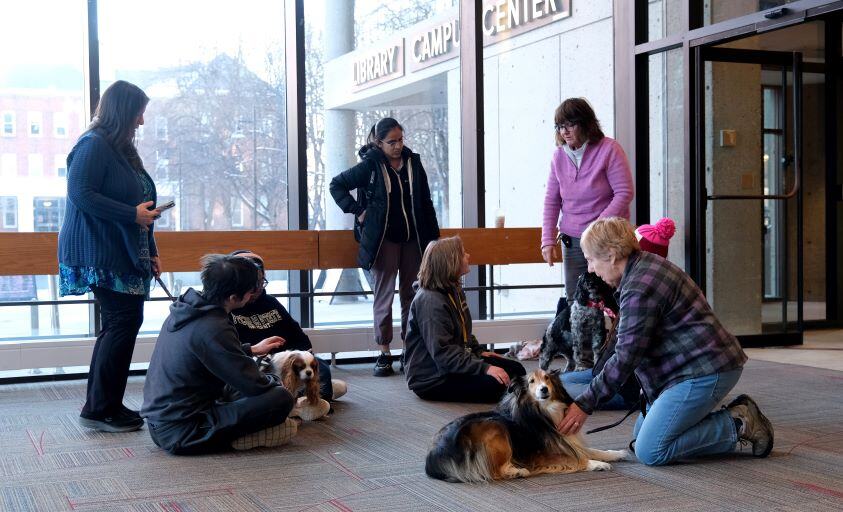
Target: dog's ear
(516, 385)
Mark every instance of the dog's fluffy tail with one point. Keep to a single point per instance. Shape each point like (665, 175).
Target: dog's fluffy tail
(471, 467)
(457, 454)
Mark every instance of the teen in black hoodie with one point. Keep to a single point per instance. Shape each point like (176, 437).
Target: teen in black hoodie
(264, 316)
(197, 355)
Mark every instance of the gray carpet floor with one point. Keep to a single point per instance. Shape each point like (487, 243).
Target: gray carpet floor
(369, 456)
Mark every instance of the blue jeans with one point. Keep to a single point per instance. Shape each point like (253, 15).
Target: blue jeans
(577, 382)
(680, 424)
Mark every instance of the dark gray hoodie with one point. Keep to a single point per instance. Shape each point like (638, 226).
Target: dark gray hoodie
(434, 344)
(196, 355)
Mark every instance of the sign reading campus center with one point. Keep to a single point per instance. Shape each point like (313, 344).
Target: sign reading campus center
(507, 16)
(438, 40)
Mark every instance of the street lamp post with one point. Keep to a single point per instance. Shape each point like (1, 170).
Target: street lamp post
(255, 164)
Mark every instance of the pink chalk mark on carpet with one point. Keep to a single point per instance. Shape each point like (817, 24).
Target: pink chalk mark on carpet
(334, 501)
(188, 494)
(339, 505)
(170, 506)
(339, 465)
(811, 441)
(39, 445)
(819, 489)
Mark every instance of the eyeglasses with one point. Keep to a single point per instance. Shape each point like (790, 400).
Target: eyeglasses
(392, 143)
(565, 126)
(264, 282)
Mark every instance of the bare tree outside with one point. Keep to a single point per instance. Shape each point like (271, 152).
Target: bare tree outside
(219, 143)
(426, 128)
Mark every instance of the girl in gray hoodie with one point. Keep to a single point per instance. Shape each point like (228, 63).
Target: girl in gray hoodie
(442, 358)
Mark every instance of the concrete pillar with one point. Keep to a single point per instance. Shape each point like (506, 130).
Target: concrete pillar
(340, 145)
(339, 148)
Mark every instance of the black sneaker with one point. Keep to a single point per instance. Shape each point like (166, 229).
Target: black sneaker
(383, 366)
(115, 423)
(128, 413)
(755, 429)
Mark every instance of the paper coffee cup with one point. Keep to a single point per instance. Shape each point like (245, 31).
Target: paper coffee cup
(500, 218)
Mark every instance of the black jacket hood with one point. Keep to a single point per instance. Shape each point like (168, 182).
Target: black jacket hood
(187, 308)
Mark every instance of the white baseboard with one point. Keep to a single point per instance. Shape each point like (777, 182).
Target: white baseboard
(77, 352)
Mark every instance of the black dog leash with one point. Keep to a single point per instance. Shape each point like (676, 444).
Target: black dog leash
(641, 407)
(635, 408)
(164, 287)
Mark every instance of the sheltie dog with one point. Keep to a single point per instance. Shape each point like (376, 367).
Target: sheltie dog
(518, 439)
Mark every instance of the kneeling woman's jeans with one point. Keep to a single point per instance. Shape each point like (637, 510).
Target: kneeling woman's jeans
(577, 382)
(679, 423)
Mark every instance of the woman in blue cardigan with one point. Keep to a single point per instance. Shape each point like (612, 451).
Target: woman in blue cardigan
(106, 246)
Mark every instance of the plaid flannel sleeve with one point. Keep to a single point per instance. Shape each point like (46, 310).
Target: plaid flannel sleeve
(639, 318)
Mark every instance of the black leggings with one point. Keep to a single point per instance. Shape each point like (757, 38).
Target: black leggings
(462, 387)
(122, 316)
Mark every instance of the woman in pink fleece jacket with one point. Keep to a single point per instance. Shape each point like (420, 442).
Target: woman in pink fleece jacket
(589, 178)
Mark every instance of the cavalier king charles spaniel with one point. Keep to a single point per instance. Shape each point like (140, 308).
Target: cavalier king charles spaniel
(299, 373)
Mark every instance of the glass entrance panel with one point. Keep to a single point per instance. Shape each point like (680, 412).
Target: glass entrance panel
(752, 208)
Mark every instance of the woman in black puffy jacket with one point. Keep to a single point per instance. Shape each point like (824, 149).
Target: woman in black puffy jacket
(394, 220)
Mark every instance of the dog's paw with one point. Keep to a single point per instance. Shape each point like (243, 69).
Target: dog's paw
(619, 454)
(309, 412)
(596, 465)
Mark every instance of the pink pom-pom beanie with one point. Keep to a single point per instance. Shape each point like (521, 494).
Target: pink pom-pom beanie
(656, 237)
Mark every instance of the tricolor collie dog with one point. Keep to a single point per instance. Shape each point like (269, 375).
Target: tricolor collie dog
(518, 439)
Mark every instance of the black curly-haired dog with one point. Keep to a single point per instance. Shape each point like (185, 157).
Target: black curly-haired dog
(578, 331)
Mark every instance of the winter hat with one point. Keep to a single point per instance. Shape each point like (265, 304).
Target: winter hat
(655, 238)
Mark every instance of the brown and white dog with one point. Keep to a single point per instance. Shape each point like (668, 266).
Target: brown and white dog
(518, 439)
(298, 371)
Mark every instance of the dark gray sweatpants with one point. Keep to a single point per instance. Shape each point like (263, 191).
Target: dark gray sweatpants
(400, 260)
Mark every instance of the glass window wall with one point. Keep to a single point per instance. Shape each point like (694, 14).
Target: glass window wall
(366, 60)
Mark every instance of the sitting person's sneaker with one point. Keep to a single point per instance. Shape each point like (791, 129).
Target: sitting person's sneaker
(268, 437)
(383, 366)
(753, 426)
(119, 422)
(339, 387)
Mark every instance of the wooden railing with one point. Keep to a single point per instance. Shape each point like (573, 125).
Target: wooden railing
(35, 253)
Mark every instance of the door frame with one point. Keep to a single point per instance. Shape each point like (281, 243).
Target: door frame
(633, 48)
(791, 332)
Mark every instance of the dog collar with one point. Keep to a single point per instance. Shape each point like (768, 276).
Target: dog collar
(602, 306)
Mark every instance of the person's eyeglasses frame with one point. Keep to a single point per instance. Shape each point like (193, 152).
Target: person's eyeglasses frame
(392, 143)
(569, 125)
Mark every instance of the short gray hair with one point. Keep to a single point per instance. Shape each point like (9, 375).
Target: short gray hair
(610, 237)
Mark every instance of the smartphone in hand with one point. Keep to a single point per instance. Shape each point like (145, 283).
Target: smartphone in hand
(166, 206)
